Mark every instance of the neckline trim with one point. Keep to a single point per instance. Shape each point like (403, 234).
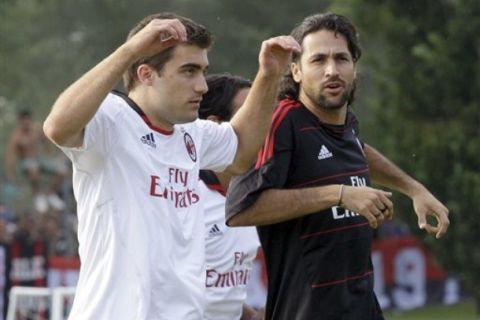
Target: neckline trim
(142, 114)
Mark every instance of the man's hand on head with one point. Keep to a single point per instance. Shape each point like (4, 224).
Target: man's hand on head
(157, 35)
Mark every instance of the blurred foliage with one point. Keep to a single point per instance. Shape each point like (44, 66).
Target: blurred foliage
(423, 105)
(418, 92)
(46, 44)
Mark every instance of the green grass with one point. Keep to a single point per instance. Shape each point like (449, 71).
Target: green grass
(462, 311)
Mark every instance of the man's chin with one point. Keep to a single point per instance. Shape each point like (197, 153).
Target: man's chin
(332, 103)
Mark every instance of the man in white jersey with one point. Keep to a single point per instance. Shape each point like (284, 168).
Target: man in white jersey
(230, 252)
(136, 161)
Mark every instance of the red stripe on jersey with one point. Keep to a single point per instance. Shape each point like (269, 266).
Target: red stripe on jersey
(335, 130)
(267, 152)
(332, 283)
(309, 235)
(331, 177)
(155, 128)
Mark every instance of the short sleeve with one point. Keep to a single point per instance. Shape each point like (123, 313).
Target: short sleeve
(270, 172)
(99, 134)
(219, 145)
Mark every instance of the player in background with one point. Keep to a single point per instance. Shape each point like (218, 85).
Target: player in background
(230, 252)
(309, 192)
(29, 149)
(136, 159)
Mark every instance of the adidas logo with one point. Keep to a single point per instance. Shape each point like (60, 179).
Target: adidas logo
(214, 231)
(149, 140)
(324, 153)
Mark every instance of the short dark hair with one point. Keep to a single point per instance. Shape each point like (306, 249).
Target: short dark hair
(197, 35)
(222, 89)
(322, 21)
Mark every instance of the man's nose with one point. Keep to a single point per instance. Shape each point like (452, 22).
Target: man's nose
(331, 69)
(201, 85)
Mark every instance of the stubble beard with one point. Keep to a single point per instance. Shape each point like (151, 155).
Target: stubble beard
(331, 104)
(321, 102)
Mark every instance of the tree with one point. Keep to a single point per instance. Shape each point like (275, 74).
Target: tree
(423, 62)
(47, 44)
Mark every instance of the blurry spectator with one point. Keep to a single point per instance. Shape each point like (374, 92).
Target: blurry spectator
(28, 147)
(28, 253)
(27, 231)
(53, 234)
(7, 225)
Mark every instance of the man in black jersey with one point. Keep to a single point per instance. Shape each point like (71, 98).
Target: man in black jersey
(309, 191)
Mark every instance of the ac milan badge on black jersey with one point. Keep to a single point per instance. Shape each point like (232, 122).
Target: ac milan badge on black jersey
(190, 145)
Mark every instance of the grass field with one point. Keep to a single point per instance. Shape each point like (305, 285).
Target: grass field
(463, 311)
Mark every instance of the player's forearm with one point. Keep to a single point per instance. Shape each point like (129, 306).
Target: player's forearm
(385, 173)
(279, 205)
(252, 122)
(76, 106)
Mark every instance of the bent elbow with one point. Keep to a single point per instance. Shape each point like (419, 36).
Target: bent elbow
(51, 132)
(232, 222)
(239, 220)
(236, 223)
(55, 133)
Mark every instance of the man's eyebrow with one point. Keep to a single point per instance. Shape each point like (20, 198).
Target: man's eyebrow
(323, 55)
(193, 65)
(318, 55)
(343, 54)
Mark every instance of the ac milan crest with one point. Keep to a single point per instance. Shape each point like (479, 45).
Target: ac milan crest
(190, 145)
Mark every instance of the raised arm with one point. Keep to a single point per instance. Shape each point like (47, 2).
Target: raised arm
(252, 121)
(387, 174)
(279, 205)
(76, 106)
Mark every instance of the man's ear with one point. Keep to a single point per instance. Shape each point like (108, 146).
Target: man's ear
(296, 72)
(214, 118)
(145, 74)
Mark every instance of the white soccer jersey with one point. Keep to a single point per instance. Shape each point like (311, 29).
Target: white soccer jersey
(229, 254)
(140, 225)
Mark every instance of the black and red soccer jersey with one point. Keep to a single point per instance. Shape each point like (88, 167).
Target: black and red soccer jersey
(319, 265)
